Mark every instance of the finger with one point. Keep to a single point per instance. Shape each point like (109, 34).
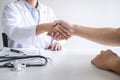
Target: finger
(55, 32)
(54, 23)
(56, 36)
(60, 37)
(110, 51)
(58, 31)
(48, 33)
(56, 47)
(63, 33)
(94, 59)
(48, 47)
(51, 34)
(59, 47)
(63, 23)
(93, 62)
(52, 47)
(102, 52)
(67, 31)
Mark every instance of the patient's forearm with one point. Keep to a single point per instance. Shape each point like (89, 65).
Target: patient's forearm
(106, 36)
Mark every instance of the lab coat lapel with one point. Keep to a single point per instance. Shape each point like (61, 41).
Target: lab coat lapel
(27, 14)
(42, 15)
(29, 18)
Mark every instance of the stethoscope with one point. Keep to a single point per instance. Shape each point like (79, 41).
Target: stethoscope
(14, 63)
(14, 58)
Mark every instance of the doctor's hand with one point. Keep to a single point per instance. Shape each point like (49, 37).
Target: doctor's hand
(61, 31)
(55, 47)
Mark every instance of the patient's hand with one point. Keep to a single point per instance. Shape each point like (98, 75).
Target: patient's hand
(105, 60)
(62, 30)
(54, 47)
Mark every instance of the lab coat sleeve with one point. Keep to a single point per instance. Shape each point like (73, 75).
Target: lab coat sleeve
(12, 26)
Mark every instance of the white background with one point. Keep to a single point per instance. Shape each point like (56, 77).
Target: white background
(95, 13)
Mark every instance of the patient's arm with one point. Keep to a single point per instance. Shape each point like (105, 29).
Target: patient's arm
(105, 36)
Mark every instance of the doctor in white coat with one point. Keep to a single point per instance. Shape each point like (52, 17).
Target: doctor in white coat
(26, 22)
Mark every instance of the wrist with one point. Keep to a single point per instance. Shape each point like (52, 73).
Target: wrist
(46, 27)
(115, 66)
(40, 29)
(75, 29)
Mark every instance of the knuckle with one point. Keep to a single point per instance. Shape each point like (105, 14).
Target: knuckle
(102, 51)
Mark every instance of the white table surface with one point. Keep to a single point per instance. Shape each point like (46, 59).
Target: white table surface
(65, 65)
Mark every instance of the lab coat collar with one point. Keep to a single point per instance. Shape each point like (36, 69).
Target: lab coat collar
(25, 10)
(40, 6)
(30, 7)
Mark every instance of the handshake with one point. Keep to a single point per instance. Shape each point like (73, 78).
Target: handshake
(61, 30)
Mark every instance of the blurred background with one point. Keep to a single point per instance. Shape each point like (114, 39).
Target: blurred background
(93, 13)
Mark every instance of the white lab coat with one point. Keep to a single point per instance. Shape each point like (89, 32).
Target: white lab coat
(20, 27)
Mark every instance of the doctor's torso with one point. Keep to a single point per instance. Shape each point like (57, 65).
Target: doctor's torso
(19, 24)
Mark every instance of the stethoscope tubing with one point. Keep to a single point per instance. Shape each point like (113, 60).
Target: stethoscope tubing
(13, 58)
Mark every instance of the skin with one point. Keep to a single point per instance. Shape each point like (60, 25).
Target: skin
(46, 27)
(33, 3)
(61, 32)
(106, 60)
